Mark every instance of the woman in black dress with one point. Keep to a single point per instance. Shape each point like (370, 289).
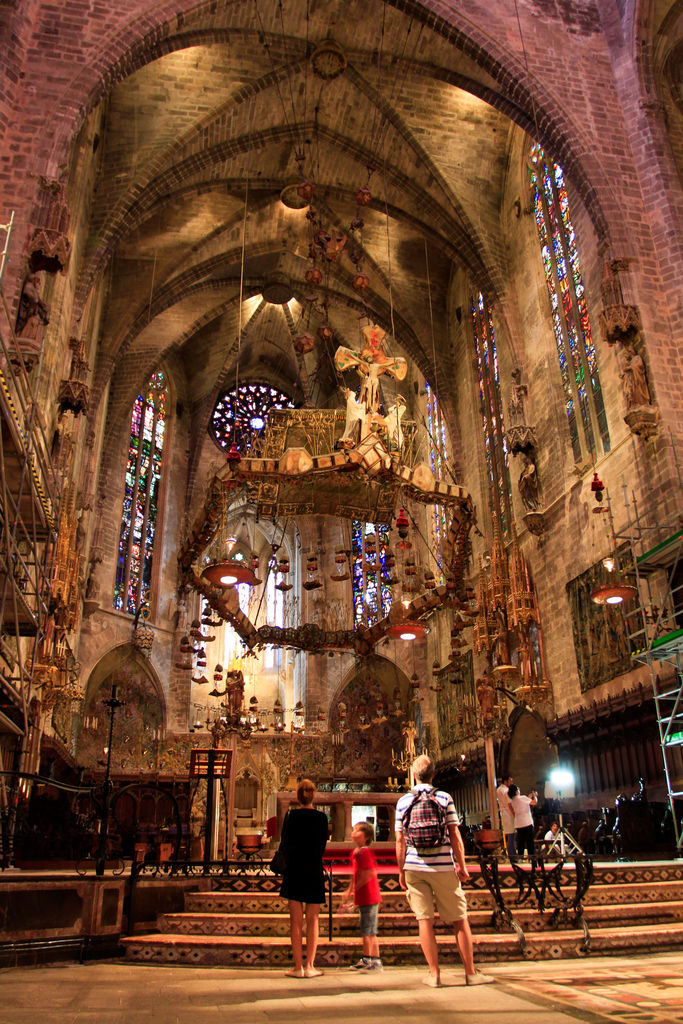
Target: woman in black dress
(304, 837)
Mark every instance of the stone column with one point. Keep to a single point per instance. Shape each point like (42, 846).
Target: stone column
(348, 804)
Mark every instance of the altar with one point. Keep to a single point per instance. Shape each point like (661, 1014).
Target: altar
(339, 807)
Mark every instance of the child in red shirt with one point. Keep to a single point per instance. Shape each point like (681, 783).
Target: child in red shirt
(366, 895)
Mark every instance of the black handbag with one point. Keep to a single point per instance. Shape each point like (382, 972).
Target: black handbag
(278, 864)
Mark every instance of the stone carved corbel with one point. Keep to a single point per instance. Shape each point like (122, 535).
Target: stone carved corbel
(521, 436)
(619, 320)
(49, 247)
(74, 393)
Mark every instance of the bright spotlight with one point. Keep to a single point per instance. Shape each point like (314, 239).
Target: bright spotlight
(560, 784)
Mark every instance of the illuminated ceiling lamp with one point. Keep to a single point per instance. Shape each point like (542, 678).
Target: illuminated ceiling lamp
(230, 572)
(234, 569)
(613, 593)
(408, 630)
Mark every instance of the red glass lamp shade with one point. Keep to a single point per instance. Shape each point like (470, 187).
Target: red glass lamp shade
(408, 630)
(229, 573)
(612, 593)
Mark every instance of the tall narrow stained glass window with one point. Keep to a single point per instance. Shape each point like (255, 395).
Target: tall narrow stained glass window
(438, 453)
(370, 573)
(141, 496)
(571, 324)
(497, 460)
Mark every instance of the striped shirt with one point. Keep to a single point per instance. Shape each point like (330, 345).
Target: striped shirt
(439, 858)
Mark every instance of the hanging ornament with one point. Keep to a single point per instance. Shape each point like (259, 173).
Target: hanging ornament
(305, 190)
(313, 276)
(403, 526)
(363, 196)
(312, 583)
(340, 575)
(283, 568)
(325, 332)
(304, 343)
(360, 283)
(186, 646)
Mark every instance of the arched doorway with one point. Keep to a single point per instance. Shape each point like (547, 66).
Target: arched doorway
(138, 723)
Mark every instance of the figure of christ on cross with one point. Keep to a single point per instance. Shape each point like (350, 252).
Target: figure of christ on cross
(371, 363)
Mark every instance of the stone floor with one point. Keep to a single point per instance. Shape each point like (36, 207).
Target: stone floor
(595, 990)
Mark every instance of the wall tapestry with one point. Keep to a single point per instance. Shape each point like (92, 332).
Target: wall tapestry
(452, 704)
(600, 641)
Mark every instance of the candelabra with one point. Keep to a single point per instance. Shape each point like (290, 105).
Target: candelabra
(112, 705)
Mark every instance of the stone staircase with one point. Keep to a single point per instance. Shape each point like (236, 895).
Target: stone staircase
(630, 907)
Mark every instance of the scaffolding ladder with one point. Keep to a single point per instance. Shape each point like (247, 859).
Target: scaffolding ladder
(652, 557)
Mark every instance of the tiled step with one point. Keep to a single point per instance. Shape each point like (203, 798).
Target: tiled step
(391, 924)
(477, 899)
(630, 907)
(254, 951)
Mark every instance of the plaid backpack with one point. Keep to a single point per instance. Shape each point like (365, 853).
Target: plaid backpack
(424, 821)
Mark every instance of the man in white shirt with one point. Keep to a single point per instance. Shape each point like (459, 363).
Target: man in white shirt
(433, 875)
(524, 819)
(507, 815)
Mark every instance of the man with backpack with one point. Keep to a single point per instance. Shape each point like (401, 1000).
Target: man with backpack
(431, 862)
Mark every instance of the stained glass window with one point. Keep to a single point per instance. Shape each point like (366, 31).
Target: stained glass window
(438, 453)
(240, 415)
(495, 443)
(370, 579)
(141, 496)
(571, 324)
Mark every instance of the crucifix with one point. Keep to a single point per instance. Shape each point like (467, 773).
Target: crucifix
(371, 363)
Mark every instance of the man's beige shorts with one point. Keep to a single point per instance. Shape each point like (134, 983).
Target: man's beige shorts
(425, 888)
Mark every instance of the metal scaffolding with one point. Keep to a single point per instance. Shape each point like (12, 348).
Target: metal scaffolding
(29, 507)
(652, 556)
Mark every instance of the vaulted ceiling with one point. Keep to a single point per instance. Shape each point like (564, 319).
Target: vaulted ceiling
(207, 125)
(192, 136)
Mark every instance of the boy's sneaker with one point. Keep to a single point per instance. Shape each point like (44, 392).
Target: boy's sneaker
(362, 964)
(374, 965)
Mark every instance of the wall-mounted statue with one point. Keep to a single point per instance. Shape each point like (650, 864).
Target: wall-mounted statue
(633, 377)
(528, 484)
(518, 394)
(641, 416)
(32, 316)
